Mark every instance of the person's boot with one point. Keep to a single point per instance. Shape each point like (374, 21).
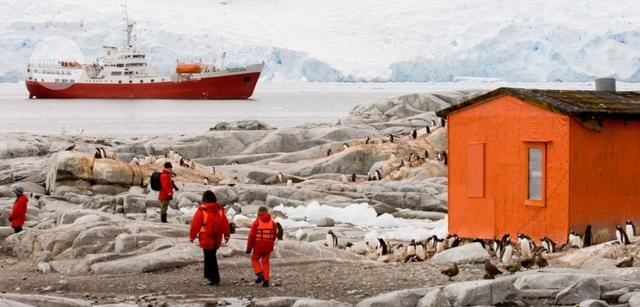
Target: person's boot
(163, 218)
(265, 284)
(260, 278)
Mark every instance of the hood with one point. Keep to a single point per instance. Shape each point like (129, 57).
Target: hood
(212, 207)
(265, 217)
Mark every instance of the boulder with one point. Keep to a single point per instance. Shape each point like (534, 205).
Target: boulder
(554, 280)
(12, 303)
(94, 240)
(411, 200)
(30, 187)
(308, 302)
(242, 125)
(68, 166)
(90, 218)
(434, 298)
(5, 231)
(583, 289)
(624, 299)
(135, 204)
(125, 242)
(481, 292)
(468, 253)
(274, 201)
(593, 303)
(324, 222)
(634, 300)
(107, 171)
(276, 301)
(69, 267)
(402, 298)
(177, 256)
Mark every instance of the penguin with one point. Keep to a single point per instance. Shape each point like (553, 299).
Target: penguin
(81, 133)
(507, 253)
(70, 148)
(630, 229)
(525, 245)
(428, 130)
(421, 255)
(441, 245)
(280, 177)
(445, 159)
(426, 156)
(478, 240)
(289, 183)
(412, 156)
(587, 239)
(433, 123)
(331, 240)
(414, 134)
(103, 153)
(236, 162)
(390, 138)
(354, 178)
(343, 179)
(451, 271)
(431, 244)
(622, 236)
(135, 161)
(280, 232)
(213, 170)
(114, 156)
(401, 165)
(98, 154)
(152, 159)
(192, 164)
(491, 269)
(182, 164)
(443, 122)
(383, 248)
(574, 240)
(548, 245)
(540, 261)
(453, 241)
(206, 181)
(378, 175)
(514, 267)
(411, 251)
(367, 140)
(345, 146)
(400, 253)
(348, 246)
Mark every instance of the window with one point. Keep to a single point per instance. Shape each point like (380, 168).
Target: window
(119, 81)
(475, 170)
(536, 168)
(151, 80)
(141, 81)
(116, 73)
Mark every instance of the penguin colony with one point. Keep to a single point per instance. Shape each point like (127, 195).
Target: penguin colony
(512, 256)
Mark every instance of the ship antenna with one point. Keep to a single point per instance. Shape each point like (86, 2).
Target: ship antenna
(128, 28)
(224, 53)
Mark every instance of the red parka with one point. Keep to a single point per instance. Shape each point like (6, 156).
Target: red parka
(19, 211)
(262, 236)
(210, 224)
(166, 183)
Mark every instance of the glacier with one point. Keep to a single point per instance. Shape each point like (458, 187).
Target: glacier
(345, 41)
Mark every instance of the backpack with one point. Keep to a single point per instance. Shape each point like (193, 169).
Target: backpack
(154, 182)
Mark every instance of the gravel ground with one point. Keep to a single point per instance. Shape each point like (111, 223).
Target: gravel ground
(343, 281)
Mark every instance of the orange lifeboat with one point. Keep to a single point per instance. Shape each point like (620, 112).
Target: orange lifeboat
(188, 68)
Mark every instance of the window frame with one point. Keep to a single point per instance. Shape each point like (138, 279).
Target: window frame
(542, 202)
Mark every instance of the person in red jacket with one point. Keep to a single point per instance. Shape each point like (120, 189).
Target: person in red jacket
(210, 225)
(262, 238)
(166, 192)
(19, 211)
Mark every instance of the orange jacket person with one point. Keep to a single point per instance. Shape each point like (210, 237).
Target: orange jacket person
(262, 238)
(210, 225)
(19, 211)
(166, 192)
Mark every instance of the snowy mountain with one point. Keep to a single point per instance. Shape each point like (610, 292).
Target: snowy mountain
(337, 40)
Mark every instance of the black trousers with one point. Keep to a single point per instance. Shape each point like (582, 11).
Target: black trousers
(17, 229)
(211, 266)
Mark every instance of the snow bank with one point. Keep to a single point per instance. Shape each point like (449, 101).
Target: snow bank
(363, 216)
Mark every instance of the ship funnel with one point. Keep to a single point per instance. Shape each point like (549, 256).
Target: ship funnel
(606, 84)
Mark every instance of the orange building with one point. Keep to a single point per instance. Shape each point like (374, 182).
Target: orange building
(544, 162)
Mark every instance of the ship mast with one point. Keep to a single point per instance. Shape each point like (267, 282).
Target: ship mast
(128, 28)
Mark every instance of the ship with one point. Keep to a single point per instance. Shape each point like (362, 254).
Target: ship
(124, 74)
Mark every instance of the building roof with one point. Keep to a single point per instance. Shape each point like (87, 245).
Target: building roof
(581, 104)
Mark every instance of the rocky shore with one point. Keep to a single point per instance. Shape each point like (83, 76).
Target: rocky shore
(93, 234)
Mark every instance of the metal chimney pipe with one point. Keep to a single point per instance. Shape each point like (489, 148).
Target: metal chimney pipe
(606, 85)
